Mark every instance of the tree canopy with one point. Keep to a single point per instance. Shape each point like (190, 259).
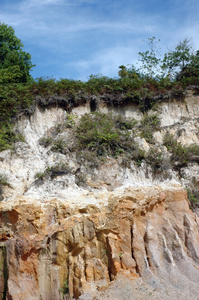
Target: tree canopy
(15, 64)
(182, 62)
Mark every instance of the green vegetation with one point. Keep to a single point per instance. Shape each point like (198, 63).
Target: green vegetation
(54, 171)
(193, 195)
(59, 145)
(150, 60)
(70, 121)
(3, 182)
(8, 137)
(46, 141)
(65, 288)
(155, 159)
(145, 86)
(104, 134)
(15, 64)
(149, 124)
(181, 155)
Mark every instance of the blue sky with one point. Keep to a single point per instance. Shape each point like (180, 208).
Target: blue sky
(76, 38)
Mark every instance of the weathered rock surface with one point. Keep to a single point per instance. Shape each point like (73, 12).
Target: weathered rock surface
(144, 238)
(21, 164)
(127, 233)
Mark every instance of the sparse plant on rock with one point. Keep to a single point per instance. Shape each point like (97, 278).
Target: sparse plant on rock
(46, 141)
(52, 172)
(193, 195)
(70, 122)
(59, 145)
(65, 288)
(149, 124)
(181, 155)
(3, 182)
(156, 159)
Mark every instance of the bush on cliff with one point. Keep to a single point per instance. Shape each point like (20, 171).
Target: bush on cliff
(181, 155)
(104, 134)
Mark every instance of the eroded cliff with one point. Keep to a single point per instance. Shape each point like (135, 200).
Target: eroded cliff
(101, 229)
(142, 232)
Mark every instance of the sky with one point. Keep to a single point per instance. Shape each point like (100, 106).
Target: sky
(76, 38)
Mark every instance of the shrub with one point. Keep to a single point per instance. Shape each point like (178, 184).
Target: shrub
(137, 155)
(46, 141)
(155, 159)
(181, 155)
(3, 182)
(149, 124)
(65, 288)
(104, 134)
(70, 122)
(59, 146)
(193, 196)
(124, 123)
(8, 136)
(52, 172)
(40, 175)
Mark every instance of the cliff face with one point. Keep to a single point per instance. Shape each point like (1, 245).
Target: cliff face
(142, 232)
(27, 159)
(125, 229)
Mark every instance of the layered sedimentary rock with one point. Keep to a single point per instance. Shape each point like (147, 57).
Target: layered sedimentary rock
(50, 249)
(114, 231)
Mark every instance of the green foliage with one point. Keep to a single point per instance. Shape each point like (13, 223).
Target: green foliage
(3, 182)
(46, 141)
(18, 94)
(181, 155)
(65, 288)
(54, 171)
(137, 155)
(176, 60)
(129, 72)
(98, 84)
(149, 124)
(149, 58)
(190, 71)
(40, 175)
(70, 120)
(80, 179)
(59, 145)
(13, 99)
(8, 137)
(120, 254)
(104, 134)
(15, 64)
(155, 159)
(193, 195)
(124, 123)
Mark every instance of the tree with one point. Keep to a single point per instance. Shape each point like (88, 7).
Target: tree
(15, 64)
(175, 61)
(191, 69)
(149, 58)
